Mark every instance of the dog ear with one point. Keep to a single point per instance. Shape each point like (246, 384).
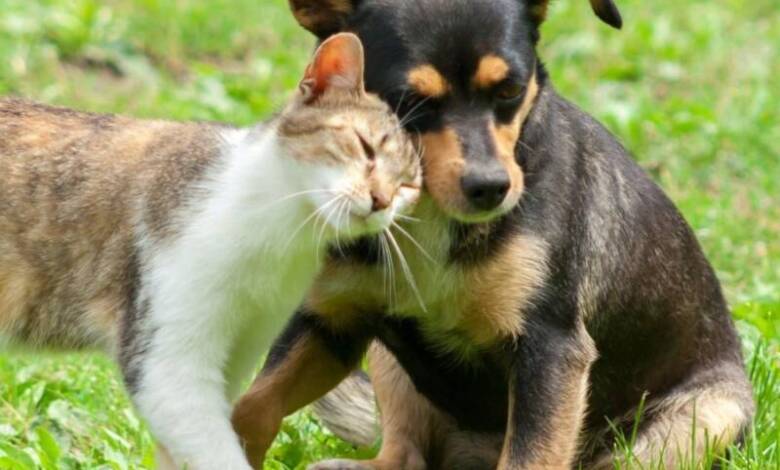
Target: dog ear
(322, 17)
(604, 9)
(337, 64)
(608, 12)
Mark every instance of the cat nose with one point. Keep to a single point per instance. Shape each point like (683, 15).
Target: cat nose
(379, 201)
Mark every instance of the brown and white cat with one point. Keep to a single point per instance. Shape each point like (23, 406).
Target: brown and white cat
(182, 248)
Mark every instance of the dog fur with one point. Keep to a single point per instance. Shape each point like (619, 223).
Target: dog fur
(534, 326)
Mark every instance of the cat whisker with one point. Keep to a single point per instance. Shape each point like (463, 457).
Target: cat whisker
(344, 208)
(389, 269)
(325, 219)
(417, 112)
(382, 261)
(293, 196)
(414, 242)
(407, 218)
(415, 107)
(406, 270)
(337, 223)
(407, 119)
(420, 147)
(393, 281)
(400, 101)
(311, 216)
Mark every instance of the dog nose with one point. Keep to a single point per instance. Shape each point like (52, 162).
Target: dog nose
(486, 191)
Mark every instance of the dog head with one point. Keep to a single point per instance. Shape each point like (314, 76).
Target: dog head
(463, 74)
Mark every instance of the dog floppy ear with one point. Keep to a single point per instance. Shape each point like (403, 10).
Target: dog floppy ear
(604, 9)
(322, 17)
(337, 65)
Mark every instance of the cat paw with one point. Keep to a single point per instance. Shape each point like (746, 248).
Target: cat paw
(340, 464)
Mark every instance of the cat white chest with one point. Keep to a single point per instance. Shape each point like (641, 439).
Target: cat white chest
(226, 284)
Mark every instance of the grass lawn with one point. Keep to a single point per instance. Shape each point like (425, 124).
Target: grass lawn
(689, 87)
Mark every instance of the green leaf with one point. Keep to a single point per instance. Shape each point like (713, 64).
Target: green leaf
(49, 445)
(7, 430)
(20, 458)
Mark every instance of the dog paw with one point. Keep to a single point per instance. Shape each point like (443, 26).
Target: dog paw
(340, 464)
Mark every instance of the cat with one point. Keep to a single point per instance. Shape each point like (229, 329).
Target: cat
(183, 248)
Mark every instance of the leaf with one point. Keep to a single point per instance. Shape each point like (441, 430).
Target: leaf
(149, 458)
(36, 393)
(10, 464)
(131, 419)
(49, 445)
(68, 418)
(7, 430)
(117, 459)
(115, 438)
(19, 458)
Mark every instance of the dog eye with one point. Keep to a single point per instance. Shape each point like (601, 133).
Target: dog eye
(510, 92)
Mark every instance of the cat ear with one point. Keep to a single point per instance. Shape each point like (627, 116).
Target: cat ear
(337, 64)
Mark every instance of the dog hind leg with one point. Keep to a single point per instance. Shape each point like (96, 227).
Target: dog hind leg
(682, 426)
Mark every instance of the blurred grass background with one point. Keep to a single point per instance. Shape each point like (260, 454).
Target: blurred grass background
(691, 88)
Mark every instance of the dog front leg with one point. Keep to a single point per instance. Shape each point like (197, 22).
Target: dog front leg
(307, 360)
(548, 391)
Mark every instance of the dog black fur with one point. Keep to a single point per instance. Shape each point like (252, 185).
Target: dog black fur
(623, 309)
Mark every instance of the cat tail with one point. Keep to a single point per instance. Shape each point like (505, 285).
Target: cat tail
(349, 411)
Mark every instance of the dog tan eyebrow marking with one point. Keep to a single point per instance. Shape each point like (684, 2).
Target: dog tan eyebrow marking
(427, 81)
(490, 71)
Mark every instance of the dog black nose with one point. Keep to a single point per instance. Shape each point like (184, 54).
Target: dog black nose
(486, 191)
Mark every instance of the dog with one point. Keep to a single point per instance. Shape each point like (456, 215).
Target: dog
(551, 297)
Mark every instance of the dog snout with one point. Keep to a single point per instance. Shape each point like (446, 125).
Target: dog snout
(486, 190)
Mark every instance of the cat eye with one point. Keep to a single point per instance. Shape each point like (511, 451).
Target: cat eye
(367, 148)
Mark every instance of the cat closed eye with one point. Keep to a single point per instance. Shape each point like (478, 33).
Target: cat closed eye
(368, 150)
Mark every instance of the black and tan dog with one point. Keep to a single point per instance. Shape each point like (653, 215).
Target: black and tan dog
(560, 289)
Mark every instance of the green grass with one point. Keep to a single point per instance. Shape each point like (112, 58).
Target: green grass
(687, 87)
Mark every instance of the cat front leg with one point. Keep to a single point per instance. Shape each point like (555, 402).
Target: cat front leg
(175, 376)
(163, 459)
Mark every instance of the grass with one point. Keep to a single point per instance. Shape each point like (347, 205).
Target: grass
(687, 86)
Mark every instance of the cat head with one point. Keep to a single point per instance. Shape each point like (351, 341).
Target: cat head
(360, 165)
